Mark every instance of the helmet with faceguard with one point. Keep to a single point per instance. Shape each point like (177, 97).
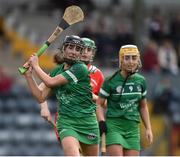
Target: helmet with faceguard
(129, 50)
(72, 40)
(89, 47)
(89, 43)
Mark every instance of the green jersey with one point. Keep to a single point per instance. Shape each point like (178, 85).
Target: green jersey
(74, 98)
(127, 105)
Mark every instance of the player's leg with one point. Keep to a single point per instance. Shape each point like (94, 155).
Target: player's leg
(114, 150)
(90, 150)
(127, 152)
(70, 146)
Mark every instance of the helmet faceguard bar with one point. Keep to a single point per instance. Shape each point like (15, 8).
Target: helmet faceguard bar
(88, 43)
(71, 40)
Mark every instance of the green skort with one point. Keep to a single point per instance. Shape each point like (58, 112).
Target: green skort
(123, 132)
(84, 129)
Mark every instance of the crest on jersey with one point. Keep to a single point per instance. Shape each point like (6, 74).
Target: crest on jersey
(119, 89)
(139, 88)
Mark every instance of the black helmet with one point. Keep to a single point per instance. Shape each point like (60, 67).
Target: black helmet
(73, 39)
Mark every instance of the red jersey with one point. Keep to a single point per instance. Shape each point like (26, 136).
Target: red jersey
(97, 78)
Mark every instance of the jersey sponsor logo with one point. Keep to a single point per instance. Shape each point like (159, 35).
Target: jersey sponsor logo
(124, 105)
(64, 98)
(91, 136)
(128, 106)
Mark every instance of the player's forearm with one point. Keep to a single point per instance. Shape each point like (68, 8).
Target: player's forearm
(37, 93)
(145, 116)
(49, 81)
(95, 97)
(100, 113)
(43, 76)
(100, 109)
(44, 105)
(45, 112)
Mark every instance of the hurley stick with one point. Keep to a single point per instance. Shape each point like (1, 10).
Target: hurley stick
(52, 124)
(103, 144)
(72, 15)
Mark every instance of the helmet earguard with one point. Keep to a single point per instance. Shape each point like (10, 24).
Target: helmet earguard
(89, 43)
(129, 50)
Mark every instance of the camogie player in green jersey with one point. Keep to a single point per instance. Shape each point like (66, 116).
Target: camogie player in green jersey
(125, 92)
(70, 82)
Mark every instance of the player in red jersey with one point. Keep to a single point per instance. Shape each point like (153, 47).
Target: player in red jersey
(97, 77)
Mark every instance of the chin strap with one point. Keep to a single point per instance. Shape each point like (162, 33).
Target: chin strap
(129, 74)
(69, 61)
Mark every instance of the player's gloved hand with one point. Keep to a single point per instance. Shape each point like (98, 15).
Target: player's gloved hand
(102, 127)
